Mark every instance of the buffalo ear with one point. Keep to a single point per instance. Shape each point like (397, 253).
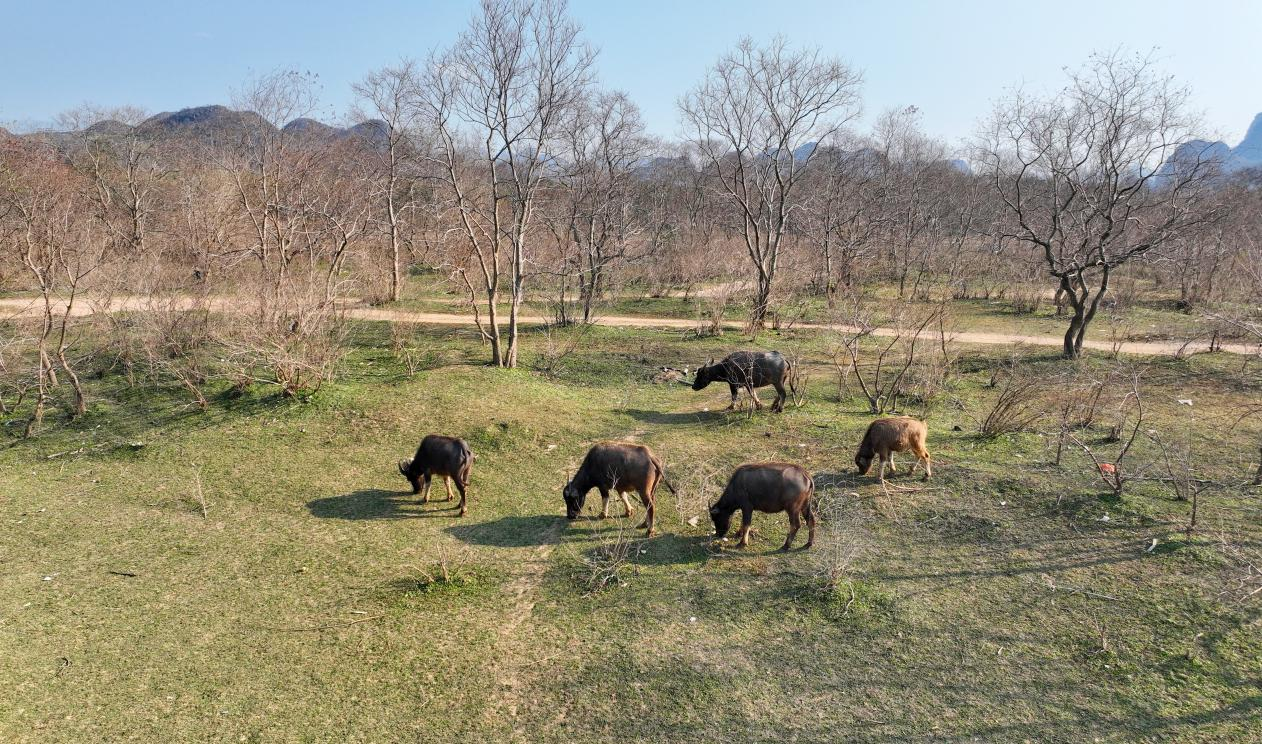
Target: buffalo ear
(403, 467)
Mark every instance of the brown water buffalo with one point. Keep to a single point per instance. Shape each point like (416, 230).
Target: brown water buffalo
(886, 436)
(620, 467)
(747, 370)
(448, 457)
(766, 487)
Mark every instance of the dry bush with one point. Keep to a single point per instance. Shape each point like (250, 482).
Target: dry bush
(173, 338)
(1115, 471)
(713, 306)
(697, 486)
(1026, 299)
(607, 564)
(879, 342)
(1018, 403)
(558, 348)
(1076, 404)
(1124, 293)
(799, 377)
(404, 347)
(843, 538)
(296, 347)
(1179, 466)
(15, 377)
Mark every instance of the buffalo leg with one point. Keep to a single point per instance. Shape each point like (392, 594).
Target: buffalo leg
(732, 386)
(626, 503)
(747, 521)
(795, 523)
(460, 486)
(810, 524)
(754, 395)
(447, 483)
(425, 488)
(781, 396)
(880, 475)
(649, 502)
(604, 503)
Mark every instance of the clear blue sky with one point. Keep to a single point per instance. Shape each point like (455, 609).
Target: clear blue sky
(949, 58)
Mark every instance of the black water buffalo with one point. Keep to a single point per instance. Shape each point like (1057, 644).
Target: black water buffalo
(448, 457)
(620, 467)
(766, 487)
(748, 370)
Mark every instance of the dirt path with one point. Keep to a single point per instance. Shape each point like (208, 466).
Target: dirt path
(25, 307)
(511, 648)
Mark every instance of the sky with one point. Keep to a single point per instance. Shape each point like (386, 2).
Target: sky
(949, 59)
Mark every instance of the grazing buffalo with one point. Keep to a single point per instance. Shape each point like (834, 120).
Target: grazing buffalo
(448, 457)
(886, 436)
(748, 370)
(766, 487)
(620, 467)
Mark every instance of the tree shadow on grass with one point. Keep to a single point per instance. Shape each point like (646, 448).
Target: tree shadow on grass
(375, 503)
(509, 532)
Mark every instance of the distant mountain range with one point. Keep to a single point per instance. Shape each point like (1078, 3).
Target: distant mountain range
(1247, 154)
(220, 123)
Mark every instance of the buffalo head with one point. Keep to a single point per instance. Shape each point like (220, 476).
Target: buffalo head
(705, 375)
(574, 500)
(405, 469)
(722, 520)
(863, 462)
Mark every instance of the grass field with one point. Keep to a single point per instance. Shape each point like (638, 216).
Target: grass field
(260, 571)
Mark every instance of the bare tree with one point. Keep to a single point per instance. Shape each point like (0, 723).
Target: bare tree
(496, 101)
(1080, 175)
(56, 245)
(757, 120)
(387, 94)
(595, 212)
(840, 217)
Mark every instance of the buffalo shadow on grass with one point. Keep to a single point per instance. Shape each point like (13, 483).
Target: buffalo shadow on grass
(684, 417)
(376, 503)
(662, 549)
(510, 532)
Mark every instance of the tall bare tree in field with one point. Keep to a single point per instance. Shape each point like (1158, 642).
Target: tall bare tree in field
(496, 102)
(123, 171)
(1080, 175)
(387, 96)
(757, 121)
(59, 249)
(603, 139)
(841, 213)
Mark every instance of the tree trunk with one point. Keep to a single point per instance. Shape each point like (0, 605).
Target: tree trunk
(762, 303)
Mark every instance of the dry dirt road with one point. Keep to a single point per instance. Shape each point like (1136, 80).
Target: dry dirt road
(12, 308)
